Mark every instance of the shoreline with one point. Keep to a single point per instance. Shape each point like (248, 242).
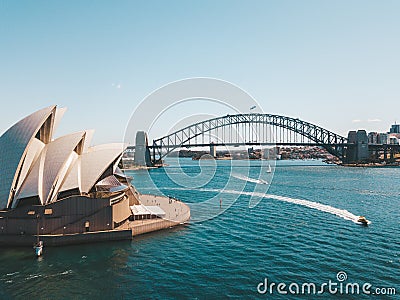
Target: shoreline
(136, 168)
(371, 165)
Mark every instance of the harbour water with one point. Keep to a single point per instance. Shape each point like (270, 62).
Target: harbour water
(300, 230)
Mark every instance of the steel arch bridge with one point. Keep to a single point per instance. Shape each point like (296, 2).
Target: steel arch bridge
(250, 129)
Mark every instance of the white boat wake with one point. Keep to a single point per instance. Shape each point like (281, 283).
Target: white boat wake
(245, 178)
(342, 213)
(345, 214)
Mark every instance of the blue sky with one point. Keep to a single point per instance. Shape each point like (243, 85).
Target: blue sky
(333, 63)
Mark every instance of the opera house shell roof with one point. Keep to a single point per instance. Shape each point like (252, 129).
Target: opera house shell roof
(36, 168)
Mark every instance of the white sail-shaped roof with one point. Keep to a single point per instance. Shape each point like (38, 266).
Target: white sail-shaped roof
(32, 164)
(13, 149)
(73, 181)
(88, 139)
(51, 168)
(64, 171)
(34, 150)
(30, 187)
(96, 161)
(57, 119)
(58, 156)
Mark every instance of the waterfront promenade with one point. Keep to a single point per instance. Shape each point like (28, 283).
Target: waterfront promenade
(176, 213)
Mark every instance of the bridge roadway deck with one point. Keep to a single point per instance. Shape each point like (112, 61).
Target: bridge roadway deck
(244, 144)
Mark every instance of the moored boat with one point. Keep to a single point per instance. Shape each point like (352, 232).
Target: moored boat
(38, 248)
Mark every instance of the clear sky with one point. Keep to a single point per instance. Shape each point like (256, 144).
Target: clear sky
(333, 63)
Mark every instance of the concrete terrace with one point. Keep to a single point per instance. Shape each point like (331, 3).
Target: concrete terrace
(176, 213)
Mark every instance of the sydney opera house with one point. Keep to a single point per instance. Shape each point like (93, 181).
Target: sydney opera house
(67, 191)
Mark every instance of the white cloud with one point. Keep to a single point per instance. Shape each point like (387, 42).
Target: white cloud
(117, 86)
(374, 120)
(356, 121)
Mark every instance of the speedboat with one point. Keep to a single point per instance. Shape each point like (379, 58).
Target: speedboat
(38, 248)
(362, 221)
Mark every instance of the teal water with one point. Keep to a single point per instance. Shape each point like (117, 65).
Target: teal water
(227, 253)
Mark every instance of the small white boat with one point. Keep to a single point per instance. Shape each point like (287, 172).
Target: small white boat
(362, 221)
(269, 169)
(38, 248)
(262, 181)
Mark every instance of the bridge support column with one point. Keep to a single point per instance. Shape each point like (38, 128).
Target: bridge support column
(351, 153)
(343, 151)
(385, 153)
(213, 150)
(154, 153)
(142, 151)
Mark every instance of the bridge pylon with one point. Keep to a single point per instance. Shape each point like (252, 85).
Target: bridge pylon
(142, 150)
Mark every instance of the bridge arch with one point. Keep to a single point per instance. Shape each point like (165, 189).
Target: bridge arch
(332, 142)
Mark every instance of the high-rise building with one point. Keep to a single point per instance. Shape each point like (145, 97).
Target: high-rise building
(373, 138)
(362, 145)
(395, 128)
(352, 137)
(383, 138)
